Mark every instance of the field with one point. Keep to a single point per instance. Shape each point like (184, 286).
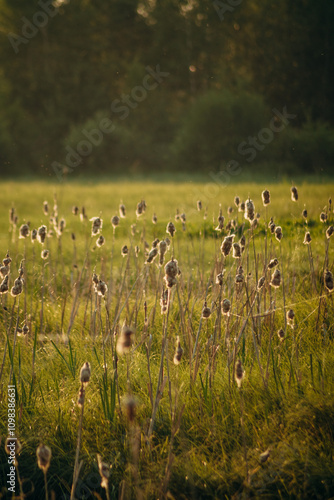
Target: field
(204, 381)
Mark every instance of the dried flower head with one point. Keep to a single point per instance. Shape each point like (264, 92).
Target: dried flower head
(281, 334)
(329, 232)
(154, 218)
(43, 453)
(85, 373)
(265, 197)
(328, 278)
(17, 288)
(104, 470)
(122, 211)
(46, 208)
(290, 317)
(239, 373)
(307, 238)
(124, 250)
(227, 245)
(164, 301)
(4, 285)
(137, 250)
(115, 221)
(162, 248)
(33, 235)
(294, 194)
(141, 208)
(249, 210)
(4, 271)
(236, 201)
(75, 210)
(304, 213)
(242, 206)
(276, 278)
(83, 215)
(178, 352)
(206, 311)
(100, 241)
(220, 225)
(170, 229)
(236, 251)
(323, 217)
(101, 288)
(24, 231)
(97, 224)
(273, 263)
(278, 233)
(226, 306)
(41, 234)
(124, 341)
(219, 278)
(45, 254)
(261, 282)
(171, 271)
(152, 255)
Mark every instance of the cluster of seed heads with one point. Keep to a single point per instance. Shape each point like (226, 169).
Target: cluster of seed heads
(100, 287)
(141, 208)
(249, 210)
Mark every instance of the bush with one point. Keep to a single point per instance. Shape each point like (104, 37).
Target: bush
(215, 125)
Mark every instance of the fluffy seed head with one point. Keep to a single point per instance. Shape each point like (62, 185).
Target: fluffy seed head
(307, 238)
(290, 317)
(276, 278)
(24, 231)
(101, 288)
(236, 251)
(75, 210)
(220, 225)
(239, 373)
(294, 194)
(227, 245)
(124, 250)
(323, 217)
(124, 341)
(33, 235)
(152, 255)
(97, 224)
(199, 205)
(265, 197)
(249, 210)
(17, 288)
(154, 218)
(261, 282)
(273, 263)
(104, 470)
(304, 213)
(226, 306)
(122, 211)
(281, 334)
(219, 278)
(329, 232)
(41, 234)
(178, 352)
(115, 221)
(170, 229)
(236, 201)
(100, 241)
(43, 453)
(206, 311)
(85, 373)
(45, 254)
(4, 285)
(278, 233)
(328, 278)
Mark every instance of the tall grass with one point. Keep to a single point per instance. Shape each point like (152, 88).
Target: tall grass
(235, 409)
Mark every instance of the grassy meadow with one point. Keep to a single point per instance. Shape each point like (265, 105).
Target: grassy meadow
(214, 387)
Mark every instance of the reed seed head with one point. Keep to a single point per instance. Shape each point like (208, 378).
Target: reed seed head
(278, 233)
(226, 307)
(141, 208)
(239, 373)
(199, 205)
(101, 288)
(24, 231)
(261, 282)
(265, 197)
(122, 211)
(4, 285)
(236, 251)
(45, 254)
(124, 341)
(152, 255)
(206, 311)
(276, 278)
(294, 194)
(220, 225)
(97, 224)
(170, 229)
(307, 238)
(323, 217)
(115, 221)
(124, 250)
(75, 210)
(249, 210)
(100, 241)
(273, 263)
(304, 213)
(104, 470)
(281, 334)
(328, 278)
(227, 245)
(154, 218)
(17, 288)
(46, 208)
(290, 317)
(178, 352)
(33, 235)
(219, 278)
(85, 373)
(43, 453)
(237, 201)
(329, 232)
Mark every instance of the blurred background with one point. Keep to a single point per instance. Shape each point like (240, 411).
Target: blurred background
(91, 87)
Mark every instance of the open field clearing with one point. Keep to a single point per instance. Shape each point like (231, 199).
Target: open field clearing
(168, 348)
